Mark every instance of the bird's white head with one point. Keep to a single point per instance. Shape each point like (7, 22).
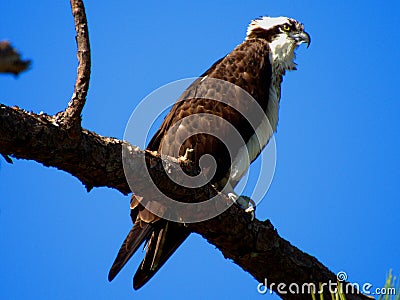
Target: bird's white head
(283, 34)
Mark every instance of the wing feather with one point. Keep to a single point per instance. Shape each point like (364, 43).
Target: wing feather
(160, 248)
(135, 238)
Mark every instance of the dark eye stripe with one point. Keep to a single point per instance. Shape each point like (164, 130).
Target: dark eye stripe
(293, 24)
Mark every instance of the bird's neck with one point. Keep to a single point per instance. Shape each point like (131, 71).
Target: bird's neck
(274, 63)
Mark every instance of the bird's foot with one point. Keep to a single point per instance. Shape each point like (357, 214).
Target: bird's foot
(244, 202)
(189, 155)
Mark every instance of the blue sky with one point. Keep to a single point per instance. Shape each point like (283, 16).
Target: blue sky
(335, 191)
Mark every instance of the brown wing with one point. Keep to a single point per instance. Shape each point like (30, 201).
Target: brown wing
(138, 234)
(162, 237)
(247, 66)
(154, 143)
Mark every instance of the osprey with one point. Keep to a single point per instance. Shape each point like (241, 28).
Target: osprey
(257, 66)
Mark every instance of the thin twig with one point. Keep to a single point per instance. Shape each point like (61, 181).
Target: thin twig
(71, 117)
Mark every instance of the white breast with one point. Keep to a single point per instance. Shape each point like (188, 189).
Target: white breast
(264, 131)
(247, 153)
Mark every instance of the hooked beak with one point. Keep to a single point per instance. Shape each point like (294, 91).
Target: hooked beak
(302, 37)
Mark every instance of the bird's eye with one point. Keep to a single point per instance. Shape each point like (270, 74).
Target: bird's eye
(286, 27)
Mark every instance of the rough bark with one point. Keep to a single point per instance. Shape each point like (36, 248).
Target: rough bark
(71, 117)
(59, 141)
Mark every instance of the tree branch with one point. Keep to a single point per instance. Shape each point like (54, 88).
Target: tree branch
(97, 161)
(94, 160)
(71, 117)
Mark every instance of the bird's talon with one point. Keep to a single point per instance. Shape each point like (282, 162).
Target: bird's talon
(249, 209)
(232, 197)
(243, 202)
(252, 215)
